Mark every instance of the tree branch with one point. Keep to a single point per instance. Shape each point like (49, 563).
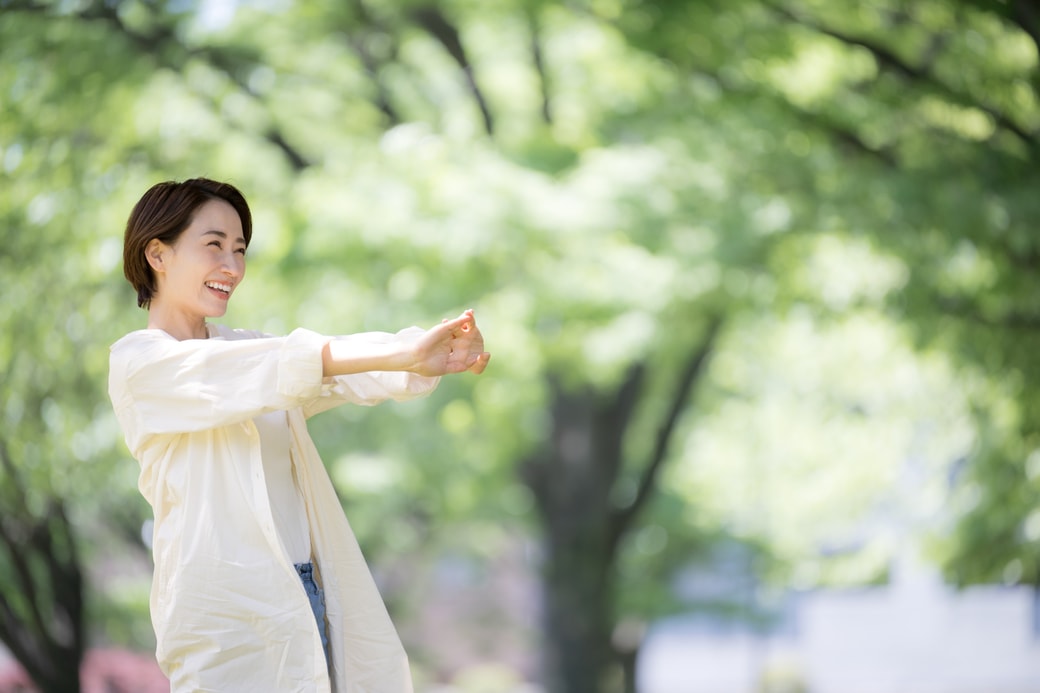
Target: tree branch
(1027, 16)
(369, 63)
(60, 551)
(623, 518)
(433, 21)
(1011, 320)
(613, 419)
(538, 61)
(842, 136)
(892, 62)
(13, 635)
(839, 134)
(14, 545)
(371, 68)
(161, 43)
(30, 635)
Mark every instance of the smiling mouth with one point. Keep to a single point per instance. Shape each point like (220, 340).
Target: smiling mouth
(224, 290)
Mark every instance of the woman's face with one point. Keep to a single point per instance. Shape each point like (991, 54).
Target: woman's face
(199, 272)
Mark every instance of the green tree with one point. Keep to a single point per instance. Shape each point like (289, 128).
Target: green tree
(628, 191)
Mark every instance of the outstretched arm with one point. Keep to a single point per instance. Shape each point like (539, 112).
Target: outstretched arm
(454, 346)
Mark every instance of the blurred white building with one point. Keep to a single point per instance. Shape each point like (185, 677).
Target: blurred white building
(915, 635)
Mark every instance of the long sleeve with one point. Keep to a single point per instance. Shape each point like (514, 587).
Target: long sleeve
(171, 386)
(375, 386)
(160, 385)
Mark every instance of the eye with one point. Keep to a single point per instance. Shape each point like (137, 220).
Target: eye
(241, 250)
(216, 243)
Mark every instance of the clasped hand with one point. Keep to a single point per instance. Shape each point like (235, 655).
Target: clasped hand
(454, 346)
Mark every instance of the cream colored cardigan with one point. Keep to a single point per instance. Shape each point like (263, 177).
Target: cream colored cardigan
(227, 605)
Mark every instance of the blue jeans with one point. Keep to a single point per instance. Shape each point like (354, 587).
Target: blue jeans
(317, 598)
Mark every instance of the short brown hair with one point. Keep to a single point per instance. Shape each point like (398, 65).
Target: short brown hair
(164, 212)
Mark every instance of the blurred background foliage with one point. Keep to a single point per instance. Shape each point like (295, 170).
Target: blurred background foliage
(759, 278)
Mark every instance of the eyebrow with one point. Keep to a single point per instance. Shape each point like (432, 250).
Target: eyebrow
(215, 232)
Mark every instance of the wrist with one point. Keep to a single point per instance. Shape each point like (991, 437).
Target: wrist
(346, 357)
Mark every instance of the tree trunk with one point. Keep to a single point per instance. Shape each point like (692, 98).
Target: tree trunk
(577, 620)
(573, 479)
(41, 605)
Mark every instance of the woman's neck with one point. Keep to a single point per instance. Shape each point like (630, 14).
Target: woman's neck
(178, 326)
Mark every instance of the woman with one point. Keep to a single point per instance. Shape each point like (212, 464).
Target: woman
(259, 583)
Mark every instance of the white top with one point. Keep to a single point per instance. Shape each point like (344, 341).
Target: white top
(227, 606)
(287, 507)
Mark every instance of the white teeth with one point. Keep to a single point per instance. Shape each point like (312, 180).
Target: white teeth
(226, 288)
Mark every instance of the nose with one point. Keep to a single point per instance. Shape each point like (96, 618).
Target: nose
(234, 265)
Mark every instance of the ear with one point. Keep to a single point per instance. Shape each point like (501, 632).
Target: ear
(153, 253)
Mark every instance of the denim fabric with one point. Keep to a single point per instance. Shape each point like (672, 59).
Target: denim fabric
(317, 597)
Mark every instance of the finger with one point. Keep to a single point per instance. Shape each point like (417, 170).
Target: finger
(480, 363)
(460, 319)
(463, 325)
(450, 325)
